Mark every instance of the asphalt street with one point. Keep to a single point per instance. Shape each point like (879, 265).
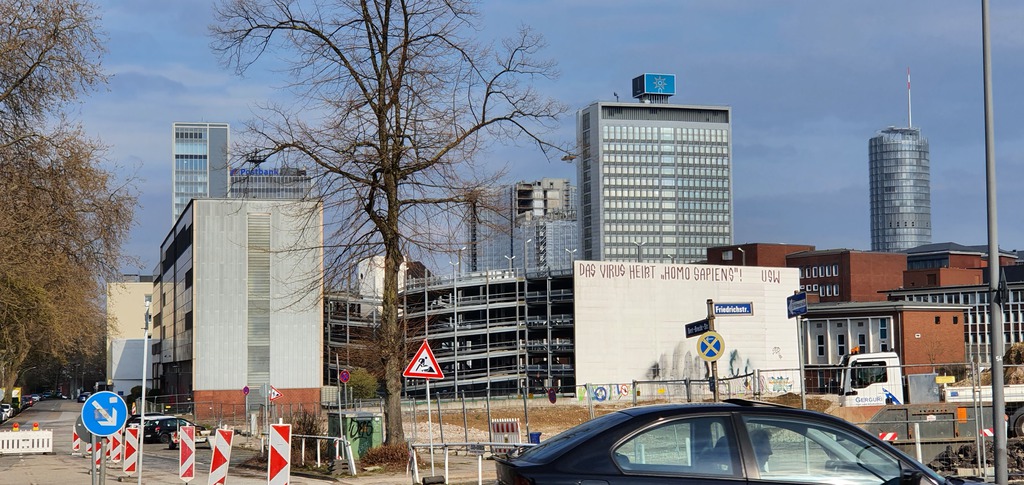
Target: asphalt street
(159, 464)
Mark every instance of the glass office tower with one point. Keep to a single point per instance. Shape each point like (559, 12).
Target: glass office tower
(900, 180)
(200, 153)
(655, 179)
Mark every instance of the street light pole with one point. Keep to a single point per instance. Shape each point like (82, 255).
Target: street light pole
(526, 255)
(639, 259)
(142, 406)
(509, 261)
(572, 256)
(456, 268)
(743, 255)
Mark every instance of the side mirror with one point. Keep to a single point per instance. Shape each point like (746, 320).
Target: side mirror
(911, 477)
(850, 393)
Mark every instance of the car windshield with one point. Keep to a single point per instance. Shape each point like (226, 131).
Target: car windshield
(553, 447)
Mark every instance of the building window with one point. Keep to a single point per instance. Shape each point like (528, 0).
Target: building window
(841, 344)
(835, 270)
(821, 345)
(937, 319)
(956, 319)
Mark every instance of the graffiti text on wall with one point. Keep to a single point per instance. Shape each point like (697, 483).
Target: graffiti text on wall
(614, 271)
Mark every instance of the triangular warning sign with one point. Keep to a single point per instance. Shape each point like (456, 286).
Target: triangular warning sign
(423, 364)
(274, 393)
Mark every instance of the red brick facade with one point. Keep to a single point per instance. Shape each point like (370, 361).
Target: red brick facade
(755, 254)
(932, 337)
(212, 405)
(848, 275)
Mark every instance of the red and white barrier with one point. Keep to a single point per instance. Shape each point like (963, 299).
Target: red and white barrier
(279, 468)
(98, 453)
(116, 449)
(987, 432)
(505, 430)
(890, 436)
(221, 455)
(187, 453)
(131, 451)
(76, 442)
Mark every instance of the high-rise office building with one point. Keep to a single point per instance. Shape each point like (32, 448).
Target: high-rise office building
(200, 152)
(530, 225)
(900, 180)
(655, 179)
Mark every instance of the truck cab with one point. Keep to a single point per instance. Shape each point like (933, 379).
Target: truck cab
(870, 379)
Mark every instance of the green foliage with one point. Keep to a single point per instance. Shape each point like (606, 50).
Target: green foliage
(362, 384)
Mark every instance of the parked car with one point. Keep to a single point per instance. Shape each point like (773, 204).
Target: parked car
(133, 422)
(162, 429)
(84, 396)
(738, 441)
(6, 411)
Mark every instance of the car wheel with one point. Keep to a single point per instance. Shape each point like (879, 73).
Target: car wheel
(165, 438)
(172, 446)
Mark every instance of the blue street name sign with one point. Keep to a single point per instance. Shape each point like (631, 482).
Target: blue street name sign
(697, 328)
(734, 309)
(104, 413)
(796, 304)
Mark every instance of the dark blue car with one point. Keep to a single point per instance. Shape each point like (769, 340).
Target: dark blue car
(736, 442)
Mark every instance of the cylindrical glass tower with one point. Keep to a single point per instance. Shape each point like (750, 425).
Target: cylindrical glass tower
(900, 180)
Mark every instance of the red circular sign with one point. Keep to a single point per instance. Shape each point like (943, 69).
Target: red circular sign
(343, 376)
(552, 396)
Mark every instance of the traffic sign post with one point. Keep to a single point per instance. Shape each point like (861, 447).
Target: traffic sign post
(796, 305)
(424, 366)
(103, 414)
(711, 344)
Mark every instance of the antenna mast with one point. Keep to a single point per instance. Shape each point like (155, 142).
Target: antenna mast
(910, 113)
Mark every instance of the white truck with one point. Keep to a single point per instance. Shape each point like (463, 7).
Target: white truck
(873, 387)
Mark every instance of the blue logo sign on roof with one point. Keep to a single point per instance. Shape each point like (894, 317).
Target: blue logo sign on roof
(104, 413)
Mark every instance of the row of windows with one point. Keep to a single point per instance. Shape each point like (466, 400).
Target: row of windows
(189, 134)
(627, 148)
(631, 235)
(638, 194)
(663, 133)
(664, 171)
(664, 217)
(819, 270)
(665, 182)
(668, 228)
(637, 161)
(630, 251)
(821, 290)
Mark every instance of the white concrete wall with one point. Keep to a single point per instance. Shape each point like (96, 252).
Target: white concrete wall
(631, 317)
(125, 356)
(220, 310)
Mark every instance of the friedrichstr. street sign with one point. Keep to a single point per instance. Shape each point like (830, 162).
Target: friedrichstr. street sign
(746, 308)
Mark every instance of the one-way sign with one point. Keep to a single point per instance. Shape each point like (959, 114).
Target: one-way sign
(796, 304)
(697, 328)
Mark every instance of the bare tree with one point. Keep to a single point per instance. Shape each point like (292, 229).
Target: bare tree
(396, 101)
(64, 217)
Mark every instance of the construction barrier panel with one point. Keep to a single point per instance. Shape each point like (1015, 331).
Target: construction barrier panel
(76, 442)
(131, 451)
(279, 468)
(187, 453)
(221, 456)
(116, 447)
(25, 442)
(505, 430)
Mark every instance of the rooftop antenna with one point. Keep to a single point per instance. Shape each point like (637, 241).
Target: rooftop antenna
(910, 114)
(616, 97)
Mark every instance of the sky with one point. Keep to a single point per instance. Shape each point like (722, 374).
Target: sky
(809, 83)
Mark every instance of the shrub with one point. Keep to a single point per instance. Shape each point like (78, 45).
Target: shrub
(386, 456)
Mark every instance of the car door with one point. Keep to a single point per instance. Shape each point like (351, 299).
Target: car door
(787, 450)
(689, 450)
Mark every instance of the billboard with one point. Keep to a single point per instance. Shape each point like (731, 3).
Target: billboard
(631, 320)
(654, 84)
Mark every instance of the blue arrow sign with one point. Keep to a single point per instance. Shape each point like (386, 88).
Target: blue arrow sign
(796, 304)
(104, 413)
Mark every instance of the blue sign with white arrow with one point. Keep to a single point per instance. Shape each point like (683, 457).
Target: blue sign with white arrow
(104, 413)
(796, 305)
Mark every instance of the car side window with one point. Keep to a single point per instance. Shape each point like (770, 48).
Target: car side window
(703, 445)
(794, 450)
